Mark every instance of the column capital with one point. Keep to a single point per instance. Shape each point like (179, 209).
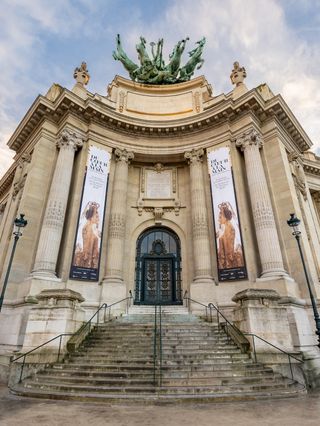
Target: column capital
(123, 155)
(194, 156)
(250, 137)
(70, 139)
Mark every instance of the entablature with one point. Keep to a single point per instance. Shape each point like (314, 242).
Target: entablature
(93, 110)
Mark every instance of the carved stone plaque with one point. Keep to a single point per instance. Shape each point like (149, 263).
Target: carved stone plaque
(158, 184)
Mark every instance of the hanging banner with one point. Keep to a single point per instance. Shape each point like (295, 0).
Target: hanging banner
(230, 255)
(87, 247)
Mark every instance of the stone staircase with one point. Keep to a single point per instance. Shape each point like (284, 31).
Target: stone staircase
(199, 363)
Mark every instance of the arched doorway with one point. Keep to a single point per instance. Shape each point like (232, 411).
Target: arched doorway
(158, 273)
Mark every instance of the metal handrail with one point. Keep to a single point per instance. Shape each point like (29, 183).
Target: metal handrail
(274, 346)
(80, 331)
(157, 346)
(239, 337)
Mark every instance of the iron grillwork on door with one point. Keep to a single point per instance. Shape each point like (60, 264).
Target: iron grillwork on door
(158, 273)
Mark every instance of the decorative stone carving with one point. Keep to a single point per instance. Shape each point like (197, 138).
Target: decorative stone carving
(238, 74)
(158, 167)
(69, 139)
(299, 178)
(197, 102)
(123, 155)
(121, 101)
(21, 174)
(117, 225)
(194, 156)
(81, 74)
(158, 213)
(251, 137)
(250, 143)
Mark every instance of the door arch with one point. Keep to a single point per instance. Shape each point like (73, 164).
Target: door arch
(158, 271)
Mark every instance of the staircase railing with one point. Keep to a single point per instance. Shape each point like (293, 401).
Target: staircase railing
(236, 335)
(78, 337)
(157, 346)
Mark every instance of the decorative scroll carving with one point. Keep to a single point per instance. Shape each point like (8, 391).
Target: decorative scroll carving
(143, 180)
(197, 101)
(68, 139)
(251, 137)
(174, 181)
(123, 155)
(121, 101)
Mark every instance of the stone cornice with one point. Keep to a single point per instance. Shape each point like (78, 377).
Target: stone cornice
(7, 179)
(99, 110)
(311, 167)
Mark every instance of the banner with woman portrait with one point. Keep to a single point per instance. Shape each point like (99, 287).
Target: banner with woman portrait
(87, 247)
(230, 255)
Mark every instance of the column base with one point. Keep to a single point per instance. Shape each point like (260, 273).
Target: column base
(113, 290)
(202, 290)
(284, 285)
(44, 275)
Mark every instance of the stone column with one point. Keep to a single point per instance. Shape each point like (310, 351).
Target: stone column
(51, 232)
(113, 287)
(267, 236)
(200, 231)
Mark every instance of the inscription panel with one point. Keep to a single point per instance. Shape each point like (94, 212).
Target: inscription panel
(158, 185)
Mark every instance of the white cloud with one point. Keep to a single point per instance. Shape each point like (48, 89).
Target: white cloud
(258, 33)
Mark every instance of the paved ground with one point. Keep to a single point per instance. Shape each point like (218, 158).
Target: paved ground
(15, 411)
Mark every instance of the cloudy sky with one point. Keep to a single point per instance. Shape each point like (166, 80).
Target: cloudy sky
(42, 41)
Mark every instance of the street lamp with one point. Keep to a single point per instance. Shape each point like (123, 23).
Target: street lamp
(294, 223)
(19, 224)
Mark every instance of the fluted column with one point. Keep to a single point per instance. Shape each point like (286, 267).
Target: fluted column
(267, 236)
(51, 231)
(200, 232)
(117, 220)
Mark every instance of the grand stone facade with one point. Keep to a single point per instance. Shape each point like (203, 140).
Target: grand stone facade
(159, 138)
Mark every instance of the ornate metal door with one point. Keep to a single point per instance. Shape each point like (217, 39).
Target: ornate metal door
(158, 268)
(158, 280)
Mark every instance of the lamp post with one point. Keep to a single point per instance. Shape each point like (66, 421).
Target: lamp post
(19, 224)
(294, 222)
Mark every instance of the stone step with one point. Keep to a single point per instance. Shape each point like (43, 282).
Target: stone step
(150, 388)
(150, 310)
(172, 381)
(183, 373)
(166, 347)
(147, 367)
(199, 363)
(151, 398)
